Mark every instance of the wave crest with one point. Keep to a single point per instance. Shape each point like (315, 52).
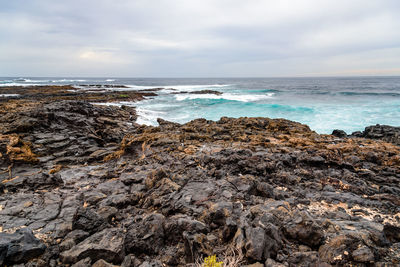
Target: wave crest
(232, 97)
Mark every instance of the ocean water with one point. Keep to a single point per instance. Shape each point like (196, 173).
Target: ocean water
(324, 104)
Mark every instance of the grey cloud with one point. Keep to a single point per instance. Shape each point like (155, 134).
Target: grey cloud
(198, 38)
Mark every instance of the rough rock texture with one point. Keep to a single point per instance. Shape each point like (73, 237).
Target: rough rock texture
(273, 190)
(94, 93)
(57, 133)
(18, 247)
(383, 132)
(107, 244)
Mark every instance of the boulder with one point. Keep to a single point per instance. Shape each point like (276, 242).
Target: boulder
(146, 235)
(392, 232)
(19, 247)
(259, 246)
(130, 261)
(303, 228)
(363, 254)
(103, 263)
(339, 133)
(88, 220)
(337, 250)
(107, 244)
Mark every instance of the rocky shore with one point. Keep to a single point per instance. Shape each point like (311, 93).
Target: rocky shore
(84, 185)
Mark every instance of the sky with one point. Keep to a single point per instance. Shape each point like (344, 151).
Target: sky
(204, 38)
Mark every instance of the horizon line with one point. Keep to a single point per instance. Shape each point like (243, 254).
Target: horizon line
(204, 77)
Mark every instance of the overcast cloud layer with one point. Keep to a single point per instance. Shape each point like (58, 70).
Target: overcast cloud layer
(207, 38)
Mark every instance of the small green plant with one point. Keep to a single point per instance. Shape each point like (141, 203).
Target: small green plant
(124, 96)
(211, 261)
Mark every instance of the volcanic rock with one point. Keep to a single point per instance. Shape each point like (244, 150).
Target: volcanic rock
(19, 247)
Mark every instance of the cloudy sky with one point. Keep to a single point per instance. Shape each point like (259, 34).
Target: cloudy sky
(204, 38)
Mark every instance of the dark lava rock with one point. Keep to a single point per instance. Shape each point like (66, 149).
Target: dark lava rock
(146, 235)
(72, 238)
(303, 228)
(170, 195)
(107, 244)
(153, 263)
(339, 133)
(363, 254)
(34, 181)
(130, 261)
(103, 263)
(382, 132)
(392, 232)
(83, 263)
(20, 246)
(213, 92)
(259, 246)
(88, 220)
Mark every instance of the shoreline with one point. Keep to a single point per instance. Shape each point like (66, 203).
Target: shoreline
(85, 183)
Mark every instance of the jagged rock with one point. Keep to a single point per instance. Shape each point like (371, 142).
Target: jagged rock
(255, 243)
(19, 247)
(273, 189)
(392, 232)
(107, 244)
(83, 263)
(72, 238)
(146, 235)
(339, 133)
(363, 254)
(303, 228)
(206, 92)
(271, 263)
(154, 263)
(338, 250)
(265, 190)
(88, 220)
(35, 181)
(383, 132)
(103, 263)
(130, 261)
(178, 224)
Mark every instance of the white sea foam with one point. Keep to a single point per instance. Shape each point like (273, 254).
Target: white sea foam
(68, 80)
(180, 87)
(106, 89)
(195, 87)
(17, 84)
(117, 104)
(147, 116)
(107, 104)
(234, 97)
(27, 80)
(8, 95)
(110, 80)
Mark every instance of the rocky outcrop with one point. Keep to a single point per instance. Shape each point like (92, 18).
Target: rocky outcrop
(88, 187)
(62, 132)
(203, 92)
(381, 132)
(94, 93)
(378, 132)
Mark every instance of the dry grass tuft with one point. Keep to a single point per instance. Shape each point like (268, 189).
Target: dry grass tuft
(231, 258)
(16, 149)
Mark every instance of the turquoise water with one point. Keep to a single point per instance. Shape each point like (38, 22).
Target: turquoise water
(324, 104)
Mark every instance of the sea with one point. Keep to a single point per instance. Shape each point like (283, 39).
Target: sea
(324, 104)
